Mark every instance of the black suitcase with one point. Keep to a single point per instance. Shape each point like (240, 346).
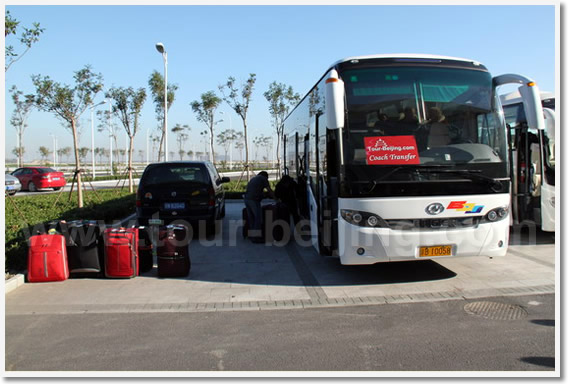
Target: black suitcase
(83, 240)
(276, 221)
(246, 224)
(271, 214)
(173, 251)
(145, 249)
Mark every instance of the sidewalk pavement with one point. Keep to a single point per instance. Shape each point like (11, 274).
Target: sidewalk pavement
(247, 276)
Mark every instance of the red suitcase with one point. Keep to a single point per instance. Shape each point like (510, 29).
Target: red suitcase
(173, 251)
(47, 258)
(121, 252)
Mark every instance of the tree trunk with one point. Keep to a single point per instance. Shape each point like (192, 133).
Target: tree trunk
(277, 155)
(211, 137)
(20, 154)
(246, 150)
(160, 147)
(130, 150)
(77, 165)
(211, 147)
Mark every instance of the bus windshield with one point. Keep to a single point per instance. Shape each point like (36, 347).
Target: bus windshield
(407, 124)
(422, 116)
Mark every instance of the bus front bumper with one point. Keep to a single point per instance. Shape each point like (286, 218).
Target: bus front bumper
(362, 245)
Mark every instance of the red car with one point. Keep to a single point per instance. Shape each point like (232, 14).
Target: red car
(34, 178)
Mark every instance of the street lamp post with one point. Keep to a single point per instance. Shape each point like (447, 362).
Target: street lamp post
(147, 147)
(93, 136)
(110, 135)
(160, 47)
(54, 150)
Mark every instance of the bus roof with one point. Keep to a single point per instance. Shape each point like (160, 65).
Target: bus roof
(515, 97)
(404, 56)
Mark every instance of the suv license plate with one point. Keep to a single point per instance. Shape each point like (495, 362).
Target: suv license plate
(439, 250)
(174, 205)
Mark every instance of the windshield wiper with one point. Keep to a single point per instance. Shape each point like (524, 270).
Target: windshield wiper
(471, 174)
(373, 183)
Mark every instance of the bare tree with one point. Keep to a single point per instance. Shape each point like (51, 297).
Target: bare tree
(65, 151)
(100, 152)
(24, 105)
(28, 37)
(239, 101)
(126, 105)
(83, 152)
(19, 152)
(225, 139)
(180, 132)
(280, 98)
(205, 140)
(205, 111)
(68, 104)
(240, 143)
(44, 152)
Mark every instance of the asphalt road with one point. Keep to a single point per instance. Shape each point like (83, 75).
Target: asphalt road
(250, 307)
(428, 337)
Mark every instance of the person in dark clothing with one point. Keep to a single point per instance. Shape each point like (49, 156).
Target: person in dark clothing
(285, 191)
(253, 196)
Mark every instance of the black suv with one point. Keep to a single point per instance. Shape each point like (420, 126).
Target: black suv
(182, 190)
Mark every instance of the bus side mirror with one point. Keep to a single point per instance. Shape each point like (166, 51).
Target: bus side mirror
(533, 107)
(334, 101)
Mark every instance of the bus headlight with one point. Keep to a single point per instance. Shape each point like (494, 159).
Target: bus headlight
(363, 219)
(372, 221)
(496, 214)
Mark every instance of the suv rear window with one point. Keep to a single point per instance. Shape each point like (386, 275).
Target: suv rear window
(171, 173)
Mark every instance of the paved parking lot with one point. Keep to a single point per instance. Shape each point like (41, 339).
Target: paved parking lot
(229, 273)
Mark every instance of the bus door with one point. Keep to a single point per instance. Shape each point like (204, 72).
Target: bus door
(548, 160)
(324, 214)
(528, 174)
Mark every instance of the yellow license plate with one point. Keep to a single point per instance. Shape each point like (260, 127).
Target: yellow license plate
(439, 250)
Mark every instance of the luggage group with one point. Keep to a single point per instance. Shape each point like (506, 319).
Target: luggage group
(82, 249)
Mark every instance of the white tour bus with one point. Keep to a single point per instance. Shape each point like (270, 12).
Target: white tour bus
(404, 157)
(533, 195)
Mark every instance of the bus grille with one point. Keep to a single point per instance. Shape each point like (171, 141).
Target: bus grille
(434, 224)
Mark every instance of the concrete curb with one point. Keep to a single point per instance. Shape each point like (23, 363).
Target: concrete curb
(264, 305)
(14, 282)
(125, 221)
